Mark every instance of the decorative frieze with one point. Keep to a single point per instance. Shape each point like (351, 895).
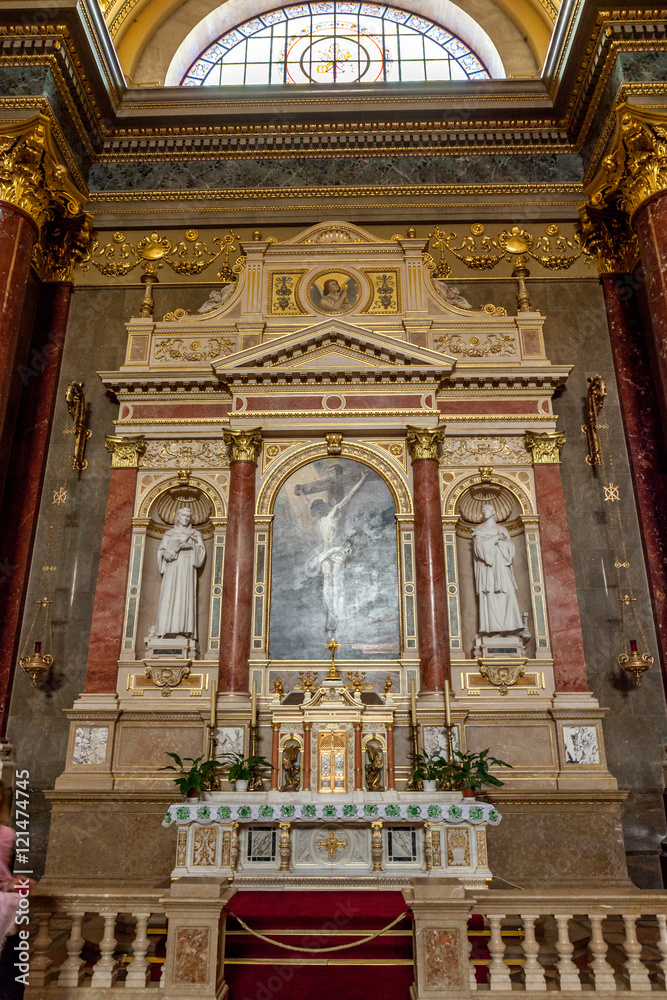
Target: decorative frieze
(186, 453)
(484, 450)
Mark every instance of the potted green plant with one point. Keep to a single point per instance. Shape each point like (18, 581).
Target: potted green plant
(429, 769)
(190, 780)
(242, 768)
(470, 770)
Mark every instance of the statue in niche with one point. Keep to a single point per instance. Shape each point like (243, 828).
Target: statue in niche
(493, 555)
(180, 555)
(291, 769)
(374, 766)
(337, 544)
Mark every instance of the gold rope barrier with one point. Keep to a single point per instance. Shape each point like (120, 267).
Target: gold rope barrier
(319, 951)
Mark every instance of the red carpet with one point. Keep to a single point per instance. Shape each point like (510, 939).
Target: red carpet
(379, 969)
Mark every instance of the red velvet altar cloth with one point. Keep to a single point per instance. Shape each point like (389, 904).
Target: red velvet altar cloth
(256, 970)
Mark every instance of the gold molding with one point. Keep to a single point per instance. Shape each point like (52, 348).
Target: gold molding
(244, 446)
(545, 447)
(635, 169)
(33, 176)
(424, 442)
(609, 239)
(125, 451)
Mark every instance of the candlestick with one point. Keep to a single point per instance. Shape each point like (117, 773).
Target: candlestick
(413, 703)
(253, 709)
(448, 712)
(213, 697)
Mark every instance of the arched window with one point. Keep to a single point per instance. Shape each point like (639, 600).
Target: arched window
(335, 42)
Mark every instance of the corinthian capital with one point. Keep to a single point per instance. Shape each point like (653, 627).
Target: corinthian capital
(636, 166)
(609, 239)
(33, 174)
(423, 442)
(63, 243)
(243, 445)
(545, 448)
(125, 451)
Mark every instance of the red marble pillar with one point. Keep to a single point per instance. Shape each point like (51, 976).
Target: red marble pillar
(432, 622)
(109, 606)
(305, 772)
(358, 761)
(18, 235)
(275, 757)
(25, 472)
(567, 645)
(643, 433)
(237, 581)
(391, 776)
(650, 225)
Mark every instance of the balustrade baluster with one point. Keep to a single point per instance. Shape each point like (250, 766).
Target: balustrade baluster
(104, 973)
(71, 973)
(533, 971)
(567, 970)
(137, 973)
(603, 974)
(662, 943)
(637, 971)
(39, 962)
(499, 977)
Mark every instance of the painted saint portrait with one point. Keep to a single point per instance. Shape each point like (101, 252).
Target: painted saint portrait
(334, 292)
(334, 564)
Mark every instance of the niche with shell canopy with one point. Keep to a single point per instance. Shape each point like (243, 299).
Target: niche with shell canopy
(470, 510)
(162, 516)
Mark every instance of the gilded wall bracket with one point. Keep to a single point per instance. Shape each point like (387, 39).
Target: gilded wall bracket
(78, 411)
(597, 391)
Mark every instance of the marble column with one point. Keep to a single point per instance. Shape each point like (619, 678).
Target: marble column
(109, 606)
(432, 622)
(567, 645)
(25, 473)
(612, 242)
(237, 580)
(305, 772)
(650, 225)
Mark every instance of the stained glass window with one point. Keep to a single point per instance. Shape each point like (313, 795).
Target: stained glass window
(335, 42)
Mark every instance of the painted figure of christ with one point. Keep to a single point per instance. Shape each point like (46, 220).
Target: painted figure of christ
(337, 548)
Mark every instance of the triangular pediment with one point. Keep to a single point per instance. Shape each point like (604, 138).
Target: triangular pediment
(334, 344)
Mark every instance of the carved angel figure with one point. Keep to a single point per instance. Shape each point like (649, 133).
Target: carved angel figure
(452, 295)
(217, 297)
(291, 769)
(374, 767)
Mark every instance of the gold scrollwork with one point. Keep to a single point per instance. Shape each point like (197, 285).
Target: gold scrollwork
(125, 451)
(424, 442)
(152, 252)
(244, 446)
(482, 253)
(545, 447)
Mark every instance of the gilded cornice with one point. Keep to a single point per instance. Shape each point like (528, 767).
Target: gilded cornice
(609, 239)
(32, 174)
(635, 168)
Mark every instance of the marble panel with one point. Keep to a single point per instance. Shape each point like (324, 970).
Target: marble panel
(191, 956)
(90, 744)
(145, 745)
(442, 958)
(229, 739)
(581, 745)
(204, 846)
(525, 745)
(435, 739)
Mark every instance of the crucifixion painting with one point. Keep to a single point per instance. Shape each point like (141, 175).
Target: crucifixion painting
(334, 564)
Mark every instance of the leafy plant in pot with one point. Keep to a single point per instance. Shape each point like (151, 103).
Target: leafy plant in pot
(471, 770)
(429, 769)
(191, 780)
(242, 768)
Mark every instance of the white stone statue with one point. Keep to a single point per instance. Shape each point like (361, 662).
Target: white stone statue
(452, 295)
(493, 554)
(180, 555)
(216, 298)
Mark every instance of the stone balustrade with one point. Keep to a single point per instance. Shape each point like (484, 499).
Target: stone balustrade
(492, 942)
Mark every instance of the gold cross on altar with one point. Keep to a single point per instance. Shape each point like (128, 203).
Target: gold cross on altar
(332, 844)
(333, 674)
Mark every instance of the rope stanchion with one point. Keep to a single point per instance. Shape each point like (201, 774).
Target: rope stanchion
(320, 951)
